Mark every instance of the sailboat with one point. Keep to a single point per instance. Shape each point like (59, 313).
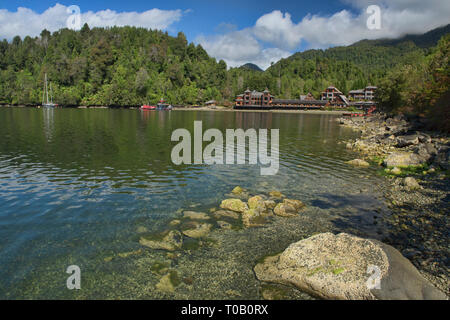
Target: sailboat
(48, 104)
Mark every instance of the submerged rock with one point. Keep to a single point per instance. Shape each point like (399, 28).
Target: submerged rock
(195, 229)
(276, 194)
(219, 214)
(224, 225)
(234, 205)
(168, 282)
(174, 222)
(285, 210)
(358, 163)
(395, 171)
(171, 240)
(343, 267)
(237, 190)
(270, 204)
(256, 202)
(195, 215)
(289, 208)
(254, 218)
(297, 204)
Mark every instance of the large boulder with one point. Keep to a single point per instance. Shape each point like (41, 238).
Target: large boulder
(234, 205)
(346, 267)
(402, 159)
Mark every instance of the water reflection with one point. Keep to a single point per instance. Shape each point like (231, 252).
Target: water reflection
(76, 183)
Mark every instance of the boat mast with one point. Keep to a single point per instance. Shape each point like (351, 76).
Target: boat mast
(51, 93)
(46, 87)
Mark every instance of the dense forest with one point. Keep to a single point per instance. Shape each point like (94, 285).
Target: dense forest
(131, 66)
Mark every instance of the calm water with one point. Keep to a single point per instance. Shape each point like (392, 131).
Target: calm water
(76, 184)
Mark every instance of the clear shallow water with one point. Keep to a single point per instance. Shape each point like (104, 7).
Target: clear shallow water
(76, 184)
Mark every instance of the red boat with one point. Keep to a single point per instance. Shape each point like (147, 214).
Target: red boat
(146, 107)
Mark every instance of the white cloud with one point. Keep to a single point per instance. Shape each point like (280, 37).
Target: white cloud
(25, 21)
(278, 28)
(239, 47)
(398, 17)
(277, 31)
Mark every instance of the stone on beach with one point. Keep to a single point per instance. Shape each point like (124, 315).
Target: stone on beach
(402, 159)
(411, 183)
(336, 267)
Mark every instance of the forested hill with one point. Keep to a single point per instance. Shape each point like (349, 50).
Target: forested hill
(132, 66)
(109, 66)
(354, 66)
(251, 66)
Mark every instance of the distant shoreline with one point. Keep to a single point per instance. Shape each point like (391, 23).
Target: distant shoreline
(333, 112)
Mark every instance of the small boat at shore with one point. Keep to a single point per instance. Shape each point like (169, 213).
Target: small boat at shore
(48, 103)
(148, 107)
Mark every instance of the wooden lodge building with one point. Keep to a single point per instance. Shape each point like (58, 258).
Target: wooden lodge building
(331, 97)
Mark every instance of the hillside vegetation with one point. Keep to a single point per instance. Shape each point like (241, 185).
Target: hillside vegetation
(130, 66)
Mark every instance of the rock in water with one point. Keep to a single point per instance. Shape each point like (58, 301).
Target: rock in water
(234, 205)
(358, 163)
(219, 214)
(195, 215)
(276, 194)
(336, 267)
(170, 241)
(256, 202)
(254, 218)
(285, 210)
(237, 190)
(402, 159)
(196, 229)
(297, 204)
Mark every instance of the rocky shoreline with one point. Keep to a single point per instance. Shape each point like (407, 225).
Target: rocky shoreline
(416, 162)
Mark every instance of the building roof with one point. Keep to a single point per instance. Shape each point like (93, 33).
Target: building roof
(357, 91)
(299, 101)
(344, 98)
(256, 93)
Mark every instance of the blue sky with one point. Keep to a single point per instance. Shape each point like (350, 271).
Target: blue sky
(238, 31)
